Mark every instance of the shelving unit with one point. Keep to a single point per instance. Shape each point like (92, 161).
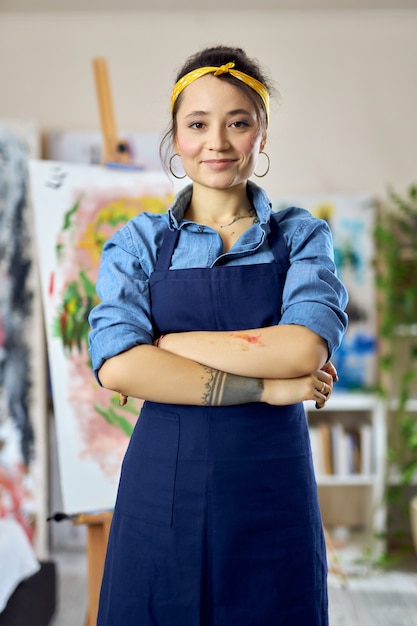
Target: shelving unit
(350, 497)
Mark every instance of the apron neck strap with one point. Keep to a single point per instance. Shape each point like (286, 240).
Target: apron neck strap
(277, 242)
(167, 249)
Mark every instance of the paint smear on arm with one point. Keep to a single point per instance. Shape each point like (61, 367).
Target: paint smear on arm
(255, 340)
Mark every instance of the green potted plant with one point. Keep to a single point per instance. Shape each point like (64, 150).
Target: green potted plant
(396, 286)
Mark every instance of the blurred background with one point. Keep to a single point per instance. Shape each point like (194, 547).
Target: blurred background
(342, 142)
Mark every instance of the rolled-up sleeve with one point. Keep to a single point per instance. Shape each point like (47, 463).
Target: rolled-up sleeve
(122, 320)
(313, 294)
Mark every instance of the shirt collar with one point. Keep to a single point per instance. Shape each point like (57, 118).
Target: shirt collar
(257, 195)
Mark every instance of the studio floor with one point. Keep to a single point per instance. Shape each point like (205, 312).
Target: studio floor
(363, 598)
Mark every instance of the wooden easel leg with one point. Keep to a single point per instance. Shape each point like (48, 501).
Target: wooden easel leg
(335, 566)
(97, 537)
(98, 528)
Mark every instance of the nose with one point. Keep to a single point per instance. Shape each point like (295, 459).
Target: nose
(217, 139)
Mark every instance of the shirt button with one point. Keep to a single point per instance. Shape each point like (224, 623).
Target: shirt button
(200, 229)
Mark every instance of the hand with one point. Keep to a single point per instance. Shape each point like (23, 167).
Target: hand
(329, 369)
(316, 386)
(323, 387)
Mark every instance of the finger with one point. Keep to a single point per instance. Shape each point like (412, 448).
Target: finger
(327, 378)
(330, 369)
(321, 398)
(322, 375)
(322, 385)
(122, 399)
(322, 393)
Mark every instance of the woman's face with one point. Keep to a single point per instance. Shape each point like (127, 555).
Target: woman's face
(218, 134)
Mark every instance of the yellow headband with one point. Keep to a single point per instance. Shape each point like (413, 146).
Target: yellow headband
(183, 82)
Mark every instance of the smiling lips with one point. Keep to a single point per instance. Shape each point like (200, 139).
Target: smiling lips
(219, 164)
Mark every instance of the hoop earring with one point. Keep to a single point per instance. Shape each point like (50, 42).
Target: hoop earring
(267, 166)
(170, 168)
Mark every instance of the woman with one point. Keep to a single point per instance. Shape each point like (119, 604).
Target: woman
(222, 315)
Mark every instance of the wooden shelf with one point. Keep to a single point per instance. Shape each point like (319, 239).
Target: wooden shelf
(360, 480)
(353, 498)
(347, 402)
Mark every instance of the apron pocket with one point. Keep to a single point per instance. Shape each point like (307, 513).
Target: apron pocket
(147, 482)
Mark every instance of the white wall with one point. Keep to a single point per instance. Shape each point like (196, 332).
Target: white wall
(346, 121)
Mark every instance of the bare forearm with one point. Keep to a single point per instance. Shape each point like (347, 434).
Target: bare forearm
(286, 351)
(151, 374)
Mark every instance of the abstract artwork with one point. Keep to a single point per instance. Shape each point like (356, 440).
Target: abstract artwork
(77, 208)
(351, 219)
(17, 434)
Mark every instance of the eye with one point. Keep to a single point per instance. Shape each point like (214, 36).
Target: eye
(197, 125)
(239, 124)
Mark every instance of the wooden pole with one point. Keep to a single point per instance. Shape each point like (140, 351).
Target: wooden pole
(115, 150)
(98, 528)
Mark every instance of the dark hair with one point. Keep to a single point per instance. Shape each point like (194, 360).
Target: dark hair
(216, 56)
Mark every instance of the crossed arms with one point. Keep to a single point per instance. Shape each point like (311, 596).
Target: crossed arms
(278, 365)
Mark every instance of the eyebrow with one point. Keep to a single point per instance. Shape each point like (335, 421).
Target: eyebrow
(233, 112)
(195, 114)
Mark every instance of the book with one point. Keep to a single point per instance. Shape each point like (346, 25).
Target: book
(366, 449)
(326, 448)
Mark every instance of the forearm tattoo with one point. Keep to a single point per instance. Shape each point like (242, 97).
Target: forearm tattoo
(222, 389)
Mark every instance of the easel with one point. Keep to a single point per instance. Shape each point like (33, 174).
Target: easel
(334, 564)
(98, 528)
(115, 152)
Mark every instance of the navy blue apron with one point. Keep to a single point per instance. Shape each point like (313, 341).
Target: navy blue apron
(217, 521)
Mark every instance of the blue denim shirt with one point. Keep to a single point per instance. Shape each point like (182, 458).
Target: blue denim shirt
(313, 295)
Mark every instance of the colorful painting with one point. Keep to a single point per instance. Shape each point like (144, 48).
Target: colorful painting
(17, 433)
(77, 208)
(351, 220)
